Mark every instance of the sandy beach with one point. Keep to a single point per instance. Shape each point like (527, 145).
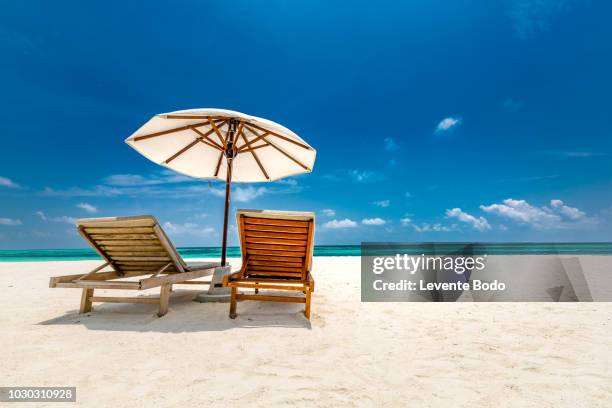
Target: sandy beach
(349, 354)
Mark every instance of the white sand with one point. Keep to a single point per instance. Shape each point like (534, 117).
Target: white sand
(350, 354)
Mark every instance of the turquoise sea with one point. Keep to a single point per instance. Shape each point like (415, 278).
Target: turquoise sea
(597, 248)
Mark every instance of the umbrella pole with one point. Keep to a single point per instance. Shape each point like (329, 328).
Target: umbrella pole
(228, 183)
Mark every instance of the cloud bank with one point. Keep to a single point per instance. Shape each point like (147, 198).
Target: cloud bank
(373, 221)
(557, 215)
(480, 223)
(340, 224)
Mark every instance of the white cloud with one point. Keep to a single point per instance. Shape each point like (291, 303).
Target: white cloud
(246, 194)
(570, 212)
(361, 175)
(64, 218)
(241, 194)
(161, 184)
(390, 144)
(447, 124)
(406, 221)
(288, 182)
(125, 180)
(480, 223)
(523, 212)
(340, 224)
(427, 227)
(382, 203)
(332, 177)
(408, 195)
(437, 227)
(187, 228)
(328, 212)
(356, 175)
(165, 177)
(214, 191)
(96, 191)
(87, 207)
(10, 221)
(128, 185)
(558, 215)
(373, 221)
(6, 182)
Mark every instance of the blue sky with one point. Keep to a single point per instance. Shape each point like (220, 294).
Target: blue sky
(473, 120)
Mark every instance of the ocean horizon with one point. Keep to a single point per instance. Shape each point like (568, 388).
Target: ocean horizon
(509, 248)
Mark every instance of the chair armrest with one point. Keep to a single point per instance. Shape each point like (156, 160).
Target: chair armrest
(196, 266)
(231, 276)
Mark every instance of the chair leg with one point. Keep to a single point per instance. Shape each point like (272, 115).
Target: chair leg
(164, 299)
(86, 300)
(233, 304)
(307, 306)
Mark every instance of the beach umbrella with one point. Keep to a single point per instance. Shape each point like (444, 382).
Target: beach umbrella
(223, 145)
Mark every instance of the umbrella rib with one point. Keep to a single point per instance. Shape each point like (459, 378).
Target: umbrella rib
(222, 139)
(218, 164)
(288, 155)
(183, 150)
(237, 135)
(253, 148)
(263, 136)
(247, 144)
(216, 129)
(214, 146)
(191, 144)
(165, 132)
(205, 139)
(303, 146)
(261, 167)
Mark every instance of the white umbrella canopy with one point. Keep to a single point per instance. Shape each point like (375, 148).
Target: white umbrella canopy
(224, 145)
(193, 141)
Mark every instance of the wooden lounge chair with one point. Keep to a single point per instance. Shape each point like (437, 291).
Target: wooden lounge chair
(276, 254)
(131, 246)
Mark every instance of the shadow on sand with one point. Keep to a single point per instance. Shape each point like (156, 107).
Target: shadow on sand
(185, 315)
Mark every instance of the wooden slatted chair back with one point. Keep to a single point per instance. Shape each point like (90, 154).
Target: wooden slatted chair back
(276, 244)
(132, 244)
